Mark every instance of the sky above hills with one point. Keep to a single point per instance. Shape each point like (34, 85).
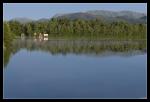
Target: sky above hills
(47, 10)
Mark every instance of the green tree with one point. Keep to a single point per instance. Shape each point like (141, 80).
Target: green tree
(8, 36)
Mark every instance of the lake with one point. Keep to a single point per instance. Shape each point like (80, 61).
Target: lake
(60, 68)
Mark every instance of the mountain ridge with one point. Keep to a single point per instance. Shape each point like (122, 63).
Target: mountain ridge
(107, 15)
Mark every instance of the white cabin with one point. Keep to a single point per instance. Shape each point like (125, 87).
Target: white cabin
(45, 35)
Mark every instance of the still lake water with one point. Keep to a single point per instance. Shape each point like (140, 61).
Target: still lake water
(75, 69)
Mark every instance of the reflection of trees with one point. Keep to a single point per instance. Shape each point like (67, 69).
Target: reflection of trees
(88, 47)
(7, 55)
(81, 46)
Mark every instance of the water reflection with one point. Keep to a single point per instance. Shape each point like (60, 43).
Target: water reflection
(91, 69)
(78, 47)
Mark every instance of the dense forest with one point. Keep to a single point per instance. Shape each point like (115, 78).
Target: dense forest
(79, 28)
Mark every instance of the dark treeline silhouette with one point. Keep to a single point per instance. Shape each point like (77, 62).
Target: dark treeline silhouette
(79, 28)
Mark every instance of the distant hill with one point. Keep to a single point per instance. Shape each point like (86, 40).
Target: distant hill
(27, 20)
(78, 16)
(43, 20)
(144, 18)
(129, 16)
(104, 13)
(22, 20)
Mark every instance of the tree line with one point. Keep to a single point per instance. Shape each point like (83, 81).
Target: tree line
(79, 28)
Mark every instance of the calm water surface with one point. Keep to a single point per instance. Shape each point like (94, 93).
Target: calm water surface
(75, 69)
